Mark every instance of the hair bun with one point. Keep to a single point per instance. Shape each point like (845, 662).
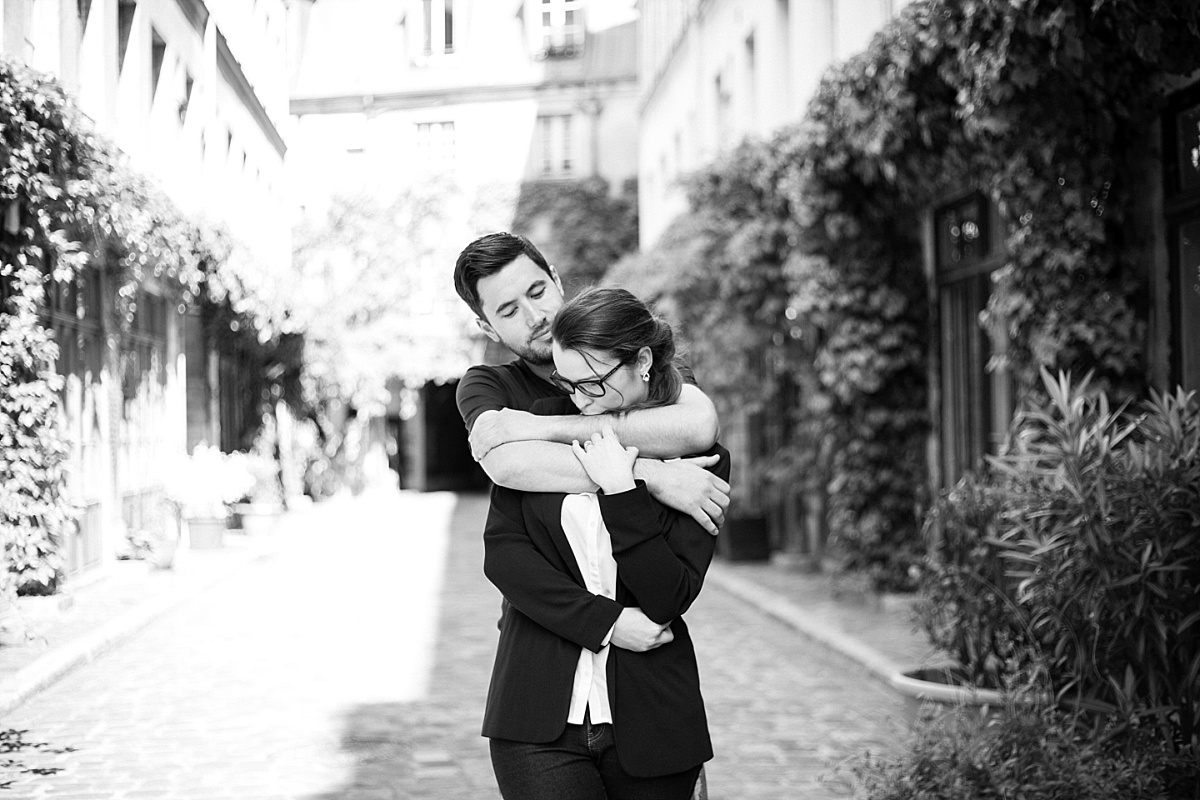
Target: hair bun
(664, 338)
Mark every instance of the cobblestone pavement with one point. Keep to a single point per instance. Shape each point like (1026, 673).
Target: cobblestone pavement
(333, 672)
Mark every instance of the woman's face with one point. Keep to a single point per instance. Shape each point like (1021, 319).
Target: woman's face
(622, 387)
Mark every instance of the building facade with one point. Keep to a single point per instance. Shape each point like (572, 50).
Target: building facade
(460, 104)
(487, 94)
(713, 72)
(194, 92)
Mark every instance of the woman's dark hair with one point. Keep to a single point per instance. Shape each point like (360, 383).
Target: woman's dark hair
(616, 323)
(486, 256)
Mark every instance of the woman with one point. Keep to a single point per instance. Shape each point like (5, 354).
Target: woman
(577, 709)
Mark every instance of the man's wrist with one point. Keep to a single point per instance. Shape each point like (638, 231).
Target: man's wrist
(645, 469)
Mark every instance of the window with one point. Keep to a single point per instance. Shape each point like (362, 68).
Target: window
(1182, 131)
(751, 84)
(724, 118)
(975, 405)
(555, 145)
(438, 26)
(188, 85)
(10, 223)
(435, 144)
(561, 27)
(125, 11)
(158, 54)
(84, 9)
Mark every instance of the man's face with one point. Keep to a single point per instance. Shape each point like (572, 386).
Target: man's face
(518, 303)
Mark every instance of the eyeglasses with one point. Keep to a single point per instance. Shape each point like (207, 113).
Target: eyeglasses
(592, 387)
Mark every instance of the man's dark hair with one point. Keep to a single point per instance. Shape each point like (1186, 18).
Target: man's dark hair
(486, 256)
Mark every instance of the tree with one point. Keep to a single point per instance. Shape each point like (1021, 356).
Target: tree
(374, 292)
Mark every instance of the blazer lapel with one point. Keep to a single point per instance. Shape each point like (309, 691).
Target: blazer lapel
(550, 510)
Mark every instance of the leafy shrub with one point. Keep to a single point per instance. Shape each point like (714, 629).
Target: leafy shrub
(1025, 754)
(35, 513)
(1080, 556)
(204, 483)
(966, 604)
(70, 200)
(580, 226)
(1101, 527)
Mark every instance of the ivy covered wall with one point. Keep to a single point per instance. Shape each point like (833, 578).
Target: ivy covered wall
(1043, 106)
(581, 226)
(71, 204)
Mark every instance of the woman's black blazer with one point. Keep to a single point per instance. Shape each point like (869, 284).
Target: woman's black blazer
(662, 556)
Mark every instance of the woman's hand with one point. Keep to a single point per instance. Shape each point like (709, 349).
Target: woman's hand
(607, 463)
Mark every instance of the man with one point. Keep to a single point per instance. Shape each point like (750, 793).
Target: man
(515, 294)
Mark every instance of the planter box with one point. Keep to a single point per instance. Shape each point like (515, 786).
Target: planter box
(744, 539)
(205, 533)
(258, 518)
(936, 691)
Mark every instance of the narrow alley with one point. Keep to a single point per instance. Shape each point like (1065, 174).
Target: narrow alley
(353, 665)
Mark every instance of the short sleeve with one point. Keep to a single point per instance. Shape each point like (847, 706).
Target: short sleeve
(480, 390)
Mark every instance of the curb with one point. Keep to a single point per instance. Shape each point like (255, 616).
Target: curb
(878, 665)
(52, 665)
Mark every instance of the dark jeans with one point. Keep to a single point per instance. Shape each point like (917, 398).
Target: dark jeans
(579, 765)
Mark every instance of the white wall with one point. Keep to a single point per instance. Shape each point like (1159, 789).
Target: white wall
(181, 150)
(688, 45)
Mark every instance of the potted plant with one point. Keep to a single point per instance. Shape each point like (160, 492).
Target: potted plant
(157, 540)
(201, 487)
(259, 509)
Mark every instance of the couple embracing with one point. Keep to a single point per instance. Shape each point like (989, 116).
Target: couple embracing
(609, 488)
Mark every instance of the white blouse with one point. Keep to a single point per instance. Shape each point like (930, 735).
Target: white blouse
(590, 542)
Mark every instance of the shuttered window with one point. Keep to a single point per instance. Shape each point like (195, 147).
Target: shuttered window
(1182, 129)
(975, 403)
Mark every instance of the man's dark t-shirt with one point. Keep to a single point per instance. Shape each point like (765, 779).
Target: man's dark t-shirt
(513, 385)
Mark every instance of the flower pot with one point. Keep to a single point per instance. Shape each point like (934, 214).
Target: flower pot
(206, 533)
(258, 519)
(163, 547)
(931, 692)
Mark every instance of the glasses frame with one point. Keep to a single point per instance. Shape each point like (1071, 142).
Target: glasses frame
(587, 386)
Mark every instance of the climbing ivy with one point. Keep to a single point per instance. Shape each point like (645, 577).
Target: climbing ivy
(69, 202)
(1039, 104)
(579, 225)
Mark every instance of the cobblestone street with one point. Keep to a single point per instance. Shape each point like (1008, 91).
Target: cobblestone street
(354, 664)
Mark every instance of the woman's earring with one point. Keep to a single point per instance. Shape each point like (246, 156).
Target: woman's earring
(646, 376)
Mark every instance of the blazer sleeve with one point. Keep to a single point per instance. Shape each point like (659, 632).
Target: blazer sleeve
(661, 554)
(536, 587)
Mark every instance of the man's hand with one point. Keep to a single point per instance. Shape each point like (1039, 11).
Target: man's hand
(637, 632)
(685, 485)
(496, 427)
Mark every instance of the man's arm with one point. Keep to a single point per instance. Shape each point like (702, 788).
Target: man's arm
(685, 485)
(687, 426)
(533, 464)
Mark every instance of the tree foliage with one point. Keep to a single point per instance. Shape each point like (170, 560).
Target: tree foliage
(374, 295)
(579, 225)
